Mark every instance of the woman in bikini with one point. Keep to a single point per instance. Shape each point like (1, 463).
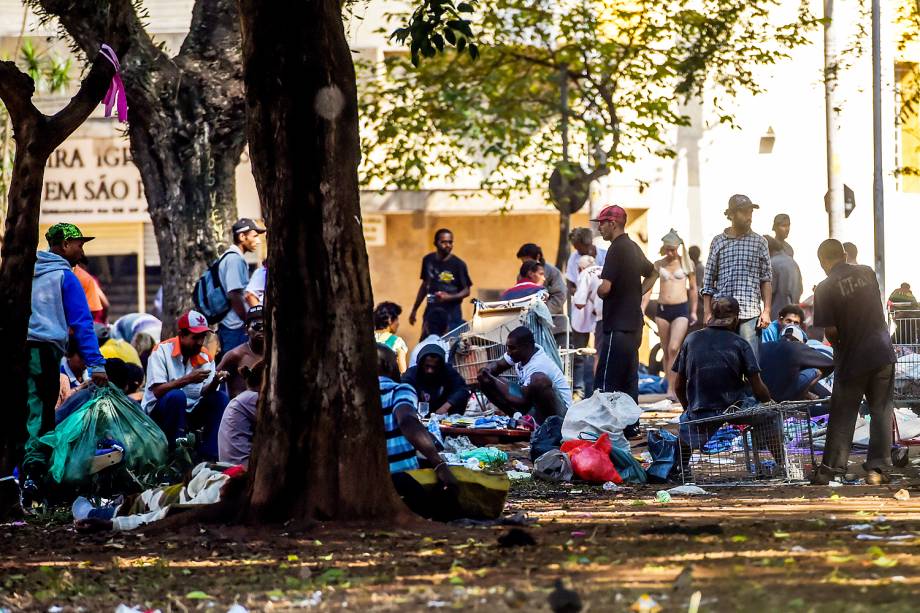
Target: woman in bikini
(677, 297)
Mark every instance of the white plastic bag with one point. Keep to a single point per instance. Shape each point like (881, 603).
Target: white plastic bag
(602, 412)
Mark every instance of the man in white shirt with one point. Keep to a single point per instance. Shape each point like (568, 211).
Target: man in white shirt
(541, 389)
(255, 289)
(582, 240)
(437, 328)
(182, 392)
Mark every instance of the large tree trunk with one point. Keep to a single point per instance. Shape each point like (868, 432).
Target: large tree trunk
(186, 129)
(36, 137)
(319, 449)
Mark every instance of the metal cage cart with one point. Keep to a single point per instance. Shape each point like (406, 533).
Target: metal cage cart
(481, 341)
(904, 325)
(767, 442)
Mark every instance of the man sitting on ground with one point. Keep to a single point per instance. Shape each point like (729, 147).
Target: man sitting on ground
(182, 385)
(714, 368)
(541, 388)
(405, 435)
(789, 315)
(246, 355)
(792, 369)
(437, 382)
(436, 327)
(234, 439)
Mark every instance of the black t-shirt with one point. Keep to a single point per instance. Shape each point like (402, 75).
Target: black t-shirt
(850, 300)
(715, 362)
(783, 360)
(448, 275)
(625, 267)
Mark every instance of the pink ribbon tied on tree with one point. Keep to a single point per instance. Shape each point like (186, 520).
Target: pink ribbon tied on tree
(115, 97)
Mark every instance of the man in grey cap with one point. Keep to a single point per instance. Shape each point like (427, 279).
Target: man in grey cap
(739, 267)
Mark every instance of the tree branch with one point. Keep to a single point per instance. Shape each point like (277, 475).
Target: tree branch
(16, 89)
(92, 90)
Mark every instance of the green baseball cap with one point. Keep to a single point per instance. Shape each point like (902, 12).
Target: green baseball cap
(60, 232)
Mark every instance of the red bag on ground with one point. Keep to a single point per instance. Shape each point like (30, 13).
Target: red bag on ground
(591, 461)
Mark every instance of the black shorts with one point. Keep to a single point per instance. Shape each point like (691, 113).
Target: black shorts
(670, 312)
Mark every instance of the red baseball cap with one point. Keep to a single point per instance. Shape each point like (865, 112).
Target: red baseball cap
(194, 322)
(612, 213)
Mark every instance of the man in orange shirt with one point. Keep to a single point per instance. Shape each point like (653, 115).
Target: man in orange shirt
(91, 289)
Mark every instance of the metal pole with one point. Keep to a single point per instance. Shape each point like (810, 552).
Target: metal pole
(878, 201)
(834, 203)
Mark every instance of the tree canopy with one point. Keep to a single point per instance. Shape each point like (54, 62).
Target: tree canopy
(628, 69)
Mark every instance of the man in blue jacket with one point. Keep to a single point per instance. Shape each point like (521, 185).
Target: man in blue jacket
(58, 303)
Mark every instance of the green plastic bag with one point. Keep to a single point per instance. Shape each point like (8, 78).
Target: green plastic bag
(108, 415)
(628, 467)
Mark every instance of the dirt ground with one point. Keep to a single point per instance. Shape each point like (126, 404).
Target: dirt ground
(791, 548)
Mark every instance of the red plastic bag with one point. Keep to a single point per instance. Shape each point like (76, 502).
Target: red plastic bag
(591, 461)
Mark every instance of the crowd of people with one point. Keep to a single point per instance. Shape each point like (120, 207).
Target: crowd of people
(733, 332)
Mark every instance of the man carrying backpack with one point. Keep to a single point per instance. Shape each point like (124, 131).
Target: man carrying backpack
(234, 276)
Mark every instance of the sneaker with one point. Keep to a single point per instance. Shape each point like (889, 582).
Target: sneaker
(874, 477)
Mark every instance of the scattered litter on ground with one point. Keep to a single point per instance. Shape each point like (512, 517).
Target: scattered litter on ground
(610, 486)
(859, 527)
(518, 474)
(688, 490)
(902, 495)
(894, 537)
(645, 604)
(437, 604)
(237, 608)
(662, 497)
(695, 600)
(313, 600)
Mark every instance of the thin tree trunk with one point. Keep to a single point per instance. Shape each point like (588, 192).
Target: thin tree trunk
(319, 449)
(562, 254)
(36, 137)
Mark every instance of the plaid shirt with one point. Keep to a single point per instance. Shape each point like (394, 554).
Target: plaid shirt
(400, 452)
(736, 267)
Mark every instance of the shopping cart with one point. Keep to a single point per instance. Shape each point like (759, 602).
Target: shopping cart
(481, 341)
(904, 326)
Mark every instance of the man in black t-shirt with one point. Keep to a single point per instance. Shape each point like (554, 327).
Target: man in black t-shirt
(445, 283)
(848, 305)
(627, 275)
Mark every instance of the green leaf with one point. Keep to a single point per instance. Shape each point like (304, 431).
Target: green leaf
(198, 595)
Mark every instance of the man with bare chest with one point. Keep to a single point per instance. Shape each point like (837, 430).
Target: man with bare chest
(247, 354)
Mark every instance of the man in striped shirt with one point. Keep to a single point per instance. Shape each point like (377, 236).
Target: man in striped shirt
(405, 435)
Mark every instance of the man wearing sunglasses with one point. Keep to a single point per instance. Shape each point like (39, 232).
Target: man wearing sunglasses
(248, 354)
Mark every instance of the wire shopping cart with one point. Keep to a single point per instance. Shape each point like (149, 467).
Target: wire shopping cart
(481, 341)
(904, 325)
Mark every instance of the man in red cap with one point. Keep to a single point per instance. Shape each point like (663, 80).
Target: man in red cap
(626, 277)
(739, 267)
(182, 394)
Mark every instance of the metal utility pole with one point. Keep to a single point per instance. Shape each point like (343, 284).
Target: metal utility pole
(834, 198)
(878, 196)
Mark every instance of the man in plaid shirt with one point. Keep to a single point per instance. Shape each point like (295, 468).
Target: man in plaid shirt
(739, 266)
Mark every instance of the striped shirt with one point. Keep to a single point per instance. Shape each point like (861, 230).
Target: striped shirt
(400, 452)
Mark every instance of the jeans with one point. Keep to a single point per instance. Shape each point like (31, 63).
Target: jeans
(44, 386)
(749, 331)
(877, 386)
(230, 338)
(172, 415)
(582, 366)
(618, 363)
